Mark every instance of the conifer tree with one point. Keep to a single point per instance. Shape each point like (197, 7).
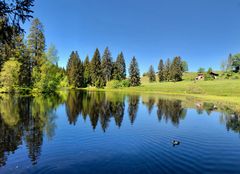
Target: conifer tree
(36, 41)
(119, 72)
(75, 71)
(176, 69)
(87, 73)
(134, 73)
(151, 74)
(167, 70)
(96, 71)
(107, 65)
(161, 71)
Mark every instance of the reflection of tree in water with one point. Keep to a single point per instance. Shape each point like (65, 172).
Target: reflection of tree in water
(133, 102)
(170, 110)
(96, 106)
(233, 122)
(25, 119)
(150, 104)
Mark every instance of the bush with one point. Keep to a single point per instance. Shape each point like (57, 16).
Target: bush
(235, 77)
(126, 83)
(118, 84)
(114, 84)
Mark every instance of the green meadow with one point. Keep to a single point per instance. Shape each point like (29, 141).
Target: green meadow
(218, 90)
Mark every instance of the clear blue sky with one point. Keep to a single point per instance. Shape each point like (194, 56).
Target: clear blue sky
(203, 32)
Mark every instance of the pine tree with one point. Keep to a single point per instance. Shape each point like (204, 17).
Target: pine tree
(151, 74)
(229, 62)
(119, 72)
(75, 71)
(161, 71)
(36, 41)
(96, 71)
(167, 70)
(107, 65)
(176, 69)
(21, 54)
(134, 73)
(87, 73)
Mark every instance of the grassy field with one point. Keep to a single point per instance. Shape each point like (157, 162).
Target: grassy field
(219, 90)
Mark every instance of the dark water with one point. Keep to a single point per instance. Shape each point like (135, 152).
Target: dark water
(89, 132)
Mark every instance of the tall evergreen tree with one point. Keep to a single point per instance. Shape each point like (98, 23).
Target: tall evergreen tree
(134, 73)
(167, 70)
(96, 71)
(21, 54)
(36, 41)
(229, 62)
(176, 69)
(161, 71)
(107, 65)
(151, 74)
(87, 71)
(12, 14)
(119, 72)
(75, 70)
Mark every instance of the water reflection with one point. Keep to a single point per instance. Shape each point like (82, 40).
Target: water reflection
(26, 120)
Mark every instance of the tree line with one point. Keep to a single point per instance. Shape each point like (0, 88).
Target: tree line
(100, 70)
(168, 71)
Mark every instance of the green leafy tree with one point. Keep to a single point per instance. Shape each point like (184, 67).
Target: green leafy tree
(21, 54)
(107, 65)
(119, 72)
(48, 77)
(236, 62)
(151, 74)
(75, 71)
(9, 75)
(209, 70)
(87, 71)
(176, 69)
(185, 66)
(161, 71)
(96, 71)
(134, 73)
(36, 42)
(201, 70)
(52, 54)
(167, 70)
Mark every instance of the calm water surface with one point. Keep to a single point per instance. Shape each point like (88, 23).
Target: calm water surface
(90, 132)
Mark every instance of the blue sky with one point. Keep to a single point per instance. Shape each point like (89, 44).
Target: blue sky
(203, 32)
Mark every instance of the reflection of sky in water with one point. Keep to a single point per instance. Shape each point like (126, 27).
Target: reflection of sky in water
(132, 134)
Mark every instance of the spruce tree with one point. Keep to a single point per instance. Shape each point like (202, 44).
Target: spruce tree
(119, 72)
(167, 70)
(151, 74)
(107, 65)
(96, 71)
(176, 69)
(87, 73)
(161, 71)
(75, 71)
(36, 42)
(134, 73)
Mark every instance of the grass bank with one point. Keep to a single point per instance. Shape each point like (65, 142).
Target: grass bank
(227, 91)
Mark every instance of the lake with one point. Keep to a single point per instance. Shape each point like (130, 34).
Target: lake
(98, 132)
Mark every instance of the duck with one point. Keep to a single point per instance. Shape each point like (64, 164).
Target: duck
(175, 142)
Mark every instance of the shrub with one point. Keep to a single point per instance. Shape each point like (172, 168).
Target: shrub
(125, 83)
(114, 84)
